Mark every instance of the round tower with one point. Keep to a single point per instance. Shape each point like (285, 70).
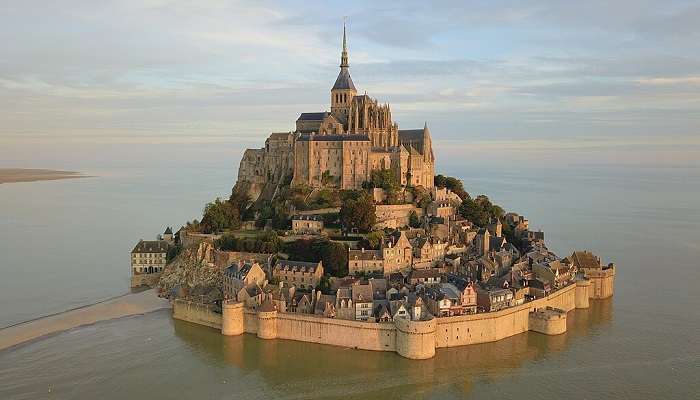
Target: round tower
(232, 319)
(267, 321)
(415, 339)
(583, 289)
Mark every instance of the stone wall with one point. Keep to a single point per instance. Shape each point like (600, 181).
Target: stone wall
(602, 282)
(410, 339)
(395, 216)
(196, 313)
(150, 280)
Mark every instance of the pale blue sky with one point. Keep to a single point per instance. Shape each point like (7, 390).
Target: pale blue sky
(556, 74)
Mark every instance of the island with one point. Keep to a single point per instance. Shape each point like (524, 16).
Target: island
(340, 232)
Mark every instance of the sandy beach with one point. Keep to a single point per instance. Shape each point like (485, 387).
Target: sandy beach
(13, 175)
(122, 306)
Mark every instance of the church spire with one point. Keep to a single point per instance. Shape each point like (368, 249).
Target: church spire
(344, 54)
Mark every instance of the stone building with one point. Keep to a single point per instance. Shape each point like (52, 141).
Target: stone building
(149, 256)
(307, 224)
(240, 275)
(341, 147)
(305, 275)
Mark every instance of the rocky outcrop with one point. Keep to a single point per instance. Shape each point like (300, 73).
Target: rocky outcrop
(192, 274)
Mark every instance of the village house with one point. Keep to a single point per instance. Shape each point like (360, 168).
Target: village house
(325, 305)
(493, 299)
(365, 261)
(307, 224)
(425, 276)
(305, 275)
(281, 295)
(397, 252)
(427, 251)
(344, 306)
(240, 275)
(362, 298)
(252, 296)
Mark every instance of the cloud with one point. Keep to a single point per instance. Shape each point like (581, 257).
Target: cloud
(483, 70)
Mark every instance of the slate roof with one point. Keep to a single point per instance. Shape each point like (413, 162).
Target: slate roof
(296, 265)
(151, 246)
(344, 81)
(312, 116)
(365, 255)
(362, 293)
(585, 259)
(425, 273)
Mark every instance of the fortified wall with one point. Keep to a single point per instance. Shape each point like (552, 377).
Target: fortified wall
(410, 339)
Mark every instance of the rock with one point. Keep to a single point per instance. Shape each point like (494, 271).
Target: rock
(193, 274)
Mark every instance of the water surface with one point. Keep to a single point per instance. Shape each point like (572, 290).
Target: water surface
(66, 243)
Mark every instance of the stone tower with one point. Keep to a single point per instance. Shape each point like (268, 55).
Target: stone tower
(343, 90)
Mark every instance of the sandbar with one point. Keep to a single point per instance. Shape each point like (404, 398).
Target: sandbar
(13, 175)
(118, 307)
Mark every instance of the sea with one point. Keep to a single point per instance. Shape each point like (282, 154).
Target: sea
(66, 243)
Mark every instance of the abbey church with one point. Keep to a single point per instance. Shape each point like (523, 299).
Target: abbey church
(341, 147)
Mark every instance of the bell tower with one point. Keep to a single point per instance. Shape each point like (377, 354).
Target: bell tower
(343, 90)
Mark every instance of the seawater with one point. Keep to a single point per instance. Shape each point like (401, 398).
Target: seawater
(66, 243)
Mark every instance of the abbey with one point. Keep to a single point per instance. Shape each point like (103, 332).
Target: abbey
(340, 148)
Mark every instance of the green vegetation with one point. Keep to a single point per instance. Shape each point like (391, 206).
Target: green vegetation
(263, 242)
(413, 220)
(480, 211)
(173, 251)
(454, 184)
(324, 285)
(357, 211)
(374, 239)
(333, 255)
(220, 215)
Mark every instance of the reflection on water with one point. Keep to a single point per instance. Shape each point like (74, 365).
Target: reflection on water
(340, 371)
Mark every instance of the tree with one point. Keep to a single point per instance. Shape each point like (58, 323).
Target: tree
(453, 184)
(324, 285)
(333, 255)
(220, 215)
(480, 211)
(413, 220)
(358, 213)
(173, 251)
(374, 239)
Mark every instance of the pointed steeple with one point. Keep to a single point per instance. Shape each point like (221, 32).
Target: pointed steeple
(344, 54)
(344, 81)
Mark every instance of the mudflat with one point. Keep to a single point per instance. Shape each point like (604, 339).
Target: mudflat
(118, 307)
(12, 175)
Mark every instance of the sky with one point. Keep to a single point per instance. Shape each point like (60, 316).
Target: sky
(548, 75)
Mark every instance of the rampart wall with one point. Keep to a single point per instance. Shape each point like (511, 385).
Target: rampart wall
(410, 339)
(196, 313)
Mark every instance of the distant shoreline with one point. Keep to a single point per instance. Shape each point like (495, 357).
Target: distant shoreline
(15, 175)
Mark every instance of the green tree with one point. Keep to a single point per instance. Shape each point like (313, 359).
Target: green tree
(173, 251)
(454, 184)
(375, 238)
(220, 215)
(480, 211)
(413, 220)
(358, 213)
(324, 285)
